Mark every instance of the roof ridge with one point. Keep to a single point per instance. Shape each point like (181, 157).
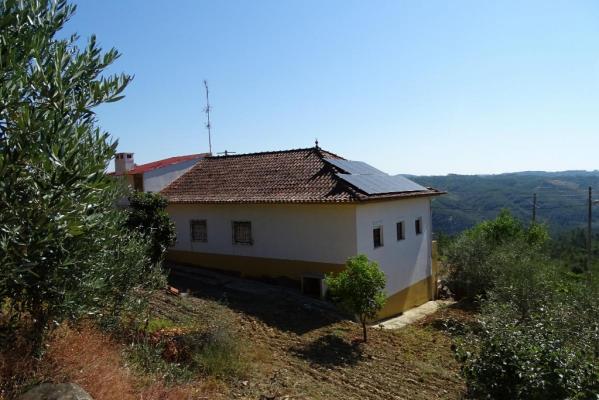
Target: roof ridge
(264, 152)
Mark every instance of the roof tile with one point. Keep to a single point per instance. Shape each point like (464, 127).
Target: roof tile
(290, 176)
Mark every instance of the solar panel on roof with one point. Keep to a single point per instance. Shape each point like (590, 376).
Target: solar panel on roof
(354, 167)
(377, 184)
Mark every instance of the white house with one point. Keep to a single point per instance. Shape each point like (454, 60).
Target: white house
(300, 214)
(154, 176)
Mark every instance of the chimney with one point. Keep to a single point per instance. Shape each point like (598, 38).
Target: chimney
(123, 162)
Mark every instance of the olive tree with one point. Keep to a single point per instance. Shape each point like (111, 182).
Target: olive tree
(359, 288)
(64, 248)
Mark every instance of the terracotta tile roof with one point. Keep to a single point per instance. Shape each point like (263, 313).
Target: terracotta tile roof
(290, 176)
(140, 169)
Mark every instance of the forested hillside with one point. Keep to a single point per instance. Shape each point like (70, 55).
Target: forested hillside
(561, 198)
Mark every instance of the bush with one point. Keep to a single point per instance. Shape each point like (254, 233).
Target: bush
(147, 214)
(477, 256)
(359, 288)
(540, 325)
(180, 352)
(536, 358)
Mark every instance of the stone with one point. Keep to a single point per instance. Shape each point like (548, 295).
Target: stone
(61, 391)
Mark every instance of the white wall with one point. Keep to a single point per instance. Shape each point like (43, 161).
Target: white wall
(307, 232)
(407, 261)
(158, 179)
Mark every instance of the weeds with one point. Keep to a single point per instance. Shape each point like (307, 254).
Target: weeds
(180, 351)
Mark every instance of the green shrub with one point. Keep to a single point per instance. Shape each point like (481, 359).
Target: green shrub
(147, 214)
(476, 257)
(536, 358)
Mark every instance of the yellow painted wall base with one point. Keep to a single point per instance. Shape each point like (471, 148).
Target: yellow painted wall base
(252, 266)
(412, 296)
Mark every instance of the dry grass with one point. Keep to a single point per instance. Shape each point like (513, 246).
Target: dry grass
(93, 360)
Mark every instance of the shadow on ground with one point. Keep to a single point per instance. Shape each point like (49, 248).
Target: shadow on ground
(330, 350)
(297, 314)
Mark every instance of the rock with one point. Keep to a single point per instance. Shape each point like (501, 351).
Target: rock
(50, 391)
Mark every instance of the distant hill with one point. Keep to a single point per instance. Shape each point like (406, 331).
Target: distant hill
(561, 198)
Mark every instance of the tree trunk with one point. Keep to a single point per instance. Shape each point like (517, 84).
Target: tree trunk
(364, 332)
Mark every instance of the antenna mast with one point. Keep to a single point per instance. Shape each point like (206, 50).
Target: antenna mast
(207, 111)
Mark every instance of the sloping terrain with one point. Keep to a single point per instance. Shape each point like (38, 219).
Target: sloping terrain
(303, 351)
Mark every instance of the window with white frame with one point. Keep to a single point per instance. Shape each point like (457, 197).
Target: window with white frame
(199, 230)
(377, 236)
(242, 232)
(418, 225)
(401, 230)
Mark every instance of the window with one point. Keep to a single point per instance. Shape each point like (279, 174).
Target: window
(401, 230)
(128, 155)
(377, 236)
(242, 232)
(199, 231)
(418, 225)
(312, 286)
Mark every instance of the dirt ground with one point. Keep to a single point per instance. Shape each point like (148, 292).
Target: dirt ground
(293, 347)
(299, 350)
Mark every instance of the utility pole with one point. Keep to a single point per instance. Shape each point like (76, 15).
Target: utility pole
(534, 208)
(207, 111)
(589, 250)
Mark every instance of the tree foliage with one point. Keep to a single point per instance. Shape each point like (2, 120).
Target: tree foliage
(359, 288)
(539, 335)
(64, 251)
(147, 214)
(479, 255)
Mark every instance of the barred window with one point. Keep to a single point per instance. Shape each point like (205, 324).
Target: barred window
(199, 231)
(242, 232)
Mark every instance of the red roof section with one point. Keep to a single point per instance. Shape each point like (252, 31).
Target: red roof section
(289, 176)
(140, 169)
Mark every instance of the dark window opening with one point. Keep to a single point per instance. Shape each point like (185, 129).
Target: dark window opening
(377, 236)
(311, 286)
(242, 232)
(401, 232)
(199, 231)
(418, 226)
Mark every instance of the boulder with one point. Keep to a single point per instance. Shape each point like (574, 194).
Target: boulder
(61, 391)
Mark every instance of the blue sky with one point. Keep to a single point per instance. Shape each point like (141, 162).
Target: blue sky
(420, 87)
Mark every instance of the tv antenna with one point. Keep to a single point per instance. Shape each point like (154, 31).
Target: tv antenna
(207, 111)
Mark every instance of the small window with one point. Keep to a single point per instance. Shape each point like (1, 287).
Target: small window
(128, 155)
(377, 236)
(418, 225)
(199, 231)
(401, 230)
(242, 232)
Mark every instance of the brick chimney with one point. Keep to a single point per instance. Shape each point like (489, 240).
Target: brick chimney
(123, 162)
